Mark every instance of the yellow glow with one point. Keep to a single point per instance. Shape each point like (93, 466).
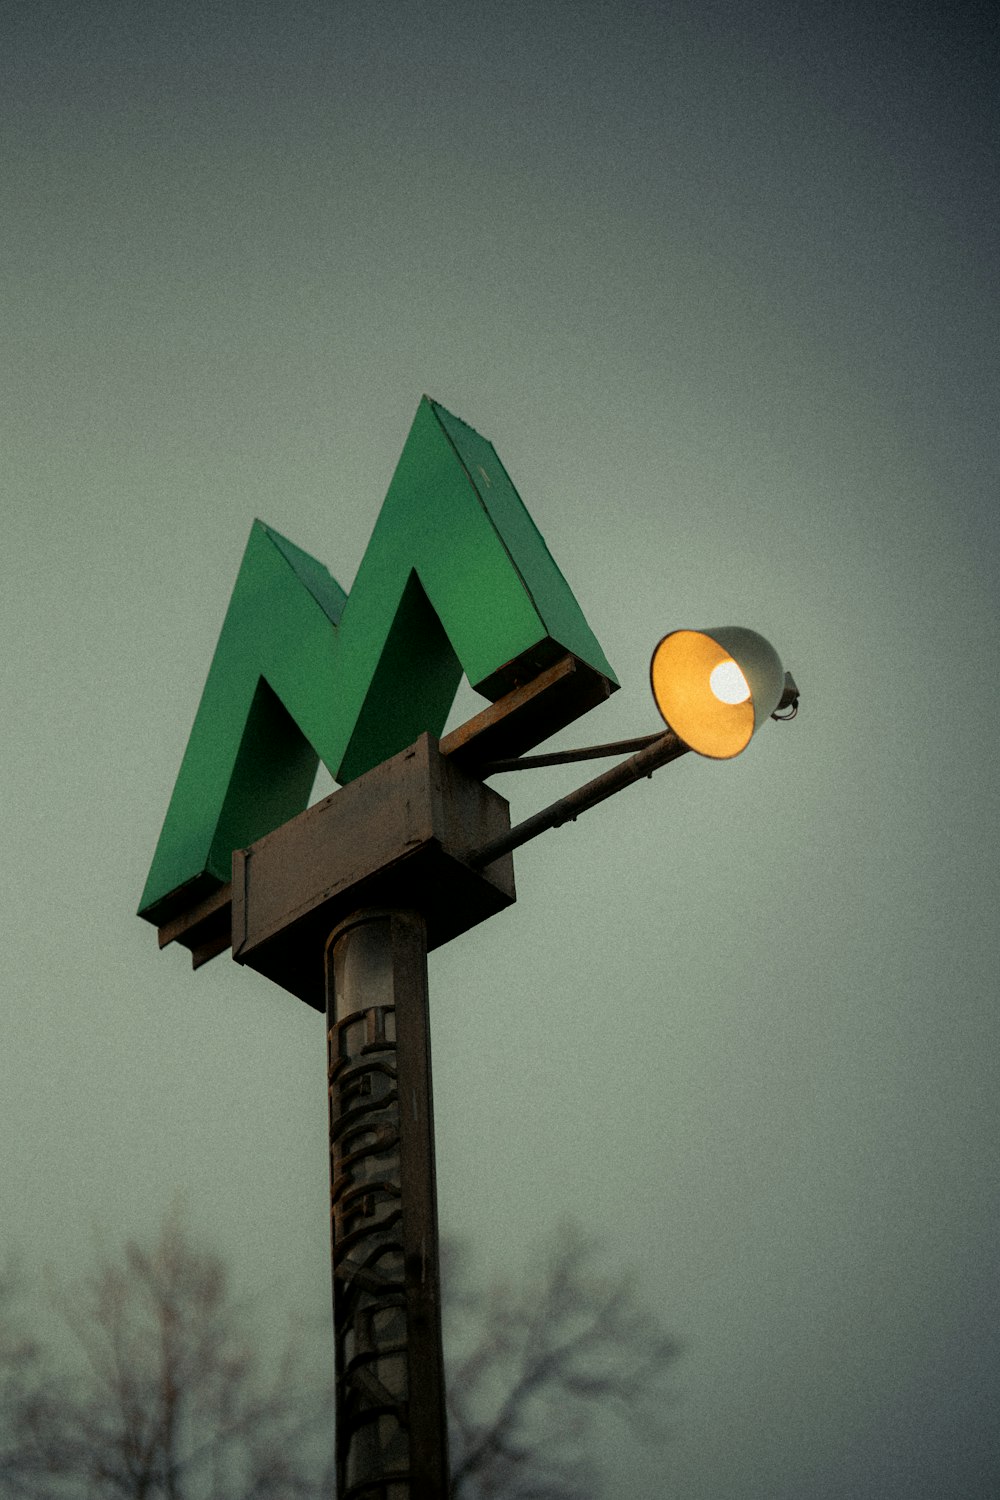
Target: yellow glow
(681, 678)
(728, 683)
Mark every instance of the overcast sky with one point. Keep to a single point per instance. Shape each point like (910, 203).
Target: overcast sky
(720, 283)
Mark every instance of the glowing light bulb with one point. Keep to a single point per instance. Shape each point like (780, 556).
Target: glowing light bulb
(728, 683)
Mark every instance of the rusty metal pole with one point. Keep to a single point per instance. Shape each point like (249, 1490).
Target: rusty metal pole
(391, 1428)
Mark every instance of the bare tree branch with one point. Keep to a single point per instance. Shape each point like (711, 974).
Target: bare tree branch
(170, 1401)
(537, 1366)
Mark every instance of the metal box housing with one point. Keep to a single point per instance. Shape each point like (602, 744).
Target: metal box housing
(396, 837)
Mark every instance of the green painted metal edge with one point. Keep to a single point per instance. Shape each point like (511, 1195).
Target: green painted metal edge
(456, 577)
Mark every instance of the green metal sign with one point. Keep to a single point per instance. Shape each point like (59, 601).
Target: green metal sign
(455, 578)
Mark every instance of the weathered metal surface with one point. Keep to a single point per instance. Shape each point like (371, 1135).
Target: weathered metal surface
(398, 837)
(205, 927)
(570, 757)
(649, 753)
(455, 578)
(391, 1428)
(522, 718)
(528, 714)
(665, 748)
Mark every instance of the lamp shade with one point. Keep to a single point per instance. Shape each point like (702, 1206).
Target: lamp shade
(714, 688)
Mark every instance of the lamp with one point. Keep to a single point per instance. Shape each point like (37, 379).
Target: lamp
(716, 687)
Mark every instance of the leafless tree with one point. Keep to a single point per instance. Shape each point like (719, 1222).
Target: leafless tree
(26, 1387)
(169, 1401)
(539, 1369)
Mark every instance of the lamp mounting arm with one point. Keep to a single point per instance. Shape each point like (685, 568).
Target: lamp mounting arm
(658, 751)
(566, 757)
(649, 752)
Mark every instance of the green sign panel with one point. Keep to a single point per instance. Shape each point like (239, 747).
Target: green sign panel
(456, 578)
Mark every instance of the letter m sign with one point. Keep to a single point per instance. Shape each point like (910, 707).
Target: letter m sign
(456, 578)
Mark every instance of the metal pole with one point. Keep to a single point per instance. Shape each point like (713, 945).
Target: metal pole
(657, 752)
(391, 1429)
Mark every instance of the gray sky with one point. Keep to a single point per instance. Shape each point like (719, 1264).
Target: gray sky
(719, 281)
